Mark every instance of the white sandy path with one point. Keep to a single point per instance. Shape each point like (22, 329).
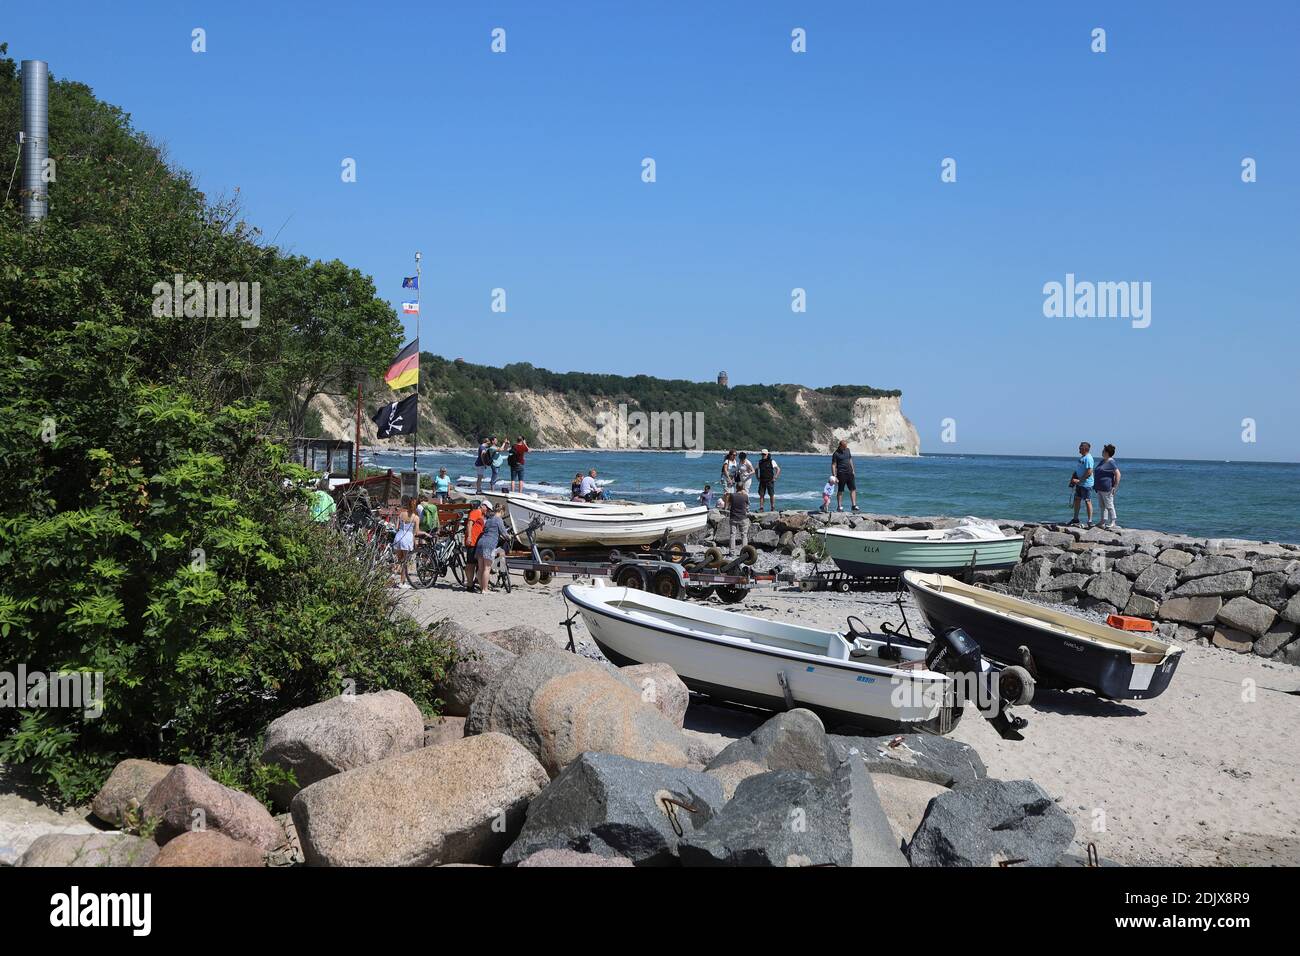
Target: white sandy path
(1205, 774)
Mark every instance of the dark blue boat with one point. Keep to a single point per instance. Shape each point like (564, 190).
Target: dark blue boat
(1060, 650)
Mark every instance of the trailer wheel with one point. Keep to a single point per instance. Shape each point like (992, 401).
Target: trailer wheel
(544, 577)
(843, 586)
(676, 552)
(714, 557)
(630, 577)
(666, 584)
(531, 576)
(1015, 686)
(748, 554)
(547, 556)
(698, 592)
(808, 584)
(730, 594)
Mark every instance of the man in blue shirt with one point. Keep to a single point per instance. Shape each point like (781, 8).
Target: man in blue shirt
(1081, 482)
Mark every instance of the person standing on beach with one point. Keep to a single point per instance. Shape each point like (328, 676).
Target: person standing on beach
(706, 497)
(768, 472)
(744, 472)
(517, 464)
(1082, 480)
(481, 462)
(738, 516)
(846, 476)
(1107, 477)
(729, 471)
(496, 457)
(408, 520)
(493, 533)
(442, 485)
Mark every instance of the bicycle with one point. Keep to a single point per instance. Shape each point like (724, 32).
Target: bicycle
(437, 554)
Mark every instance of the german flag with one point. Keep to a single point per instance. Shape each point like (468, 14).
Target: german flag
(406, 367)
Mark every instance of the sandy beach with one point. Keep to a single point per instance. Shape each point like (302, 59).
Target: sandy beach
(1204, 775)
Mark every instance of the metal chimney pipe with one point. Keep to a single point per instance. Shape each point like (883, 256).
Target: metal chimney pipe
(36, 138)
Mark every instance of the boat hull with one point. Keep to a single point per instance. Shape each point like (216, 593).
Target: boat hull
(839, 693)
(866, 556)
(1060, 661)
(574, 527)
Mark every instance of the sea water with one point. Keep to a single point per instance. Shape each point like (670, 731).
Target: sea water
(1254, 500)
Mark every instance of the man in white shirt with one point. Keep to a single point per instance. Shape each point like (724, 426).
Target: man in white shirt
(588, 490)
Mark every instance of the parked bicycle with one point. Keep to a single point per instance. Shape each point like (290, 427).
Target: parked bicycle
(435, 555)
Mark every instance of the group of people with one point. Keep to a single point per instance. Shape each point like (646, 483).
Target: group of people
(586, 487)
(418, 518)
(737, 473)
(1102, 477)
(493, 456)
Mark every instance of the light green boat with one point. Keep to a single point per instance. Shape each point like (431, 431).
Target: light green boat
(868, 554)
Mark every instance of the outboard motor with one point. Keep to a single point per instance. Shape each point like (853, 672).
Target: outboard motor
(954, 652)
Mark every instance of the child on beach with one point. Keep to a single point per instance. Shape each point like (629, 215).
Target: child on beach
(828, 492)
(706, 496)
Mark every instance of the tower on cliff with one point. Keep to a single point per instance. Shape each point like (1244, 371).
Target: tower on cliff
(722, 379)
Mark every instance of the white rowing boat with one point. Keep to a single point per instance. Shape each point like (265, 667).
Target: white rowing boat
(770, 664)
(609, 525)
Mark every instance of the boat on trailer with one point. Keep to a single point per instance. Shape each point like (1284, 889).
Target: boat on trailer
(868, 554)
(1058, 649)
(613, 526)
(854, 678)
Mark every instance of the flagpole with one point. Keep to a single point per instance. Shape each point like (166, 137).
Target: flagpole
(415, 435)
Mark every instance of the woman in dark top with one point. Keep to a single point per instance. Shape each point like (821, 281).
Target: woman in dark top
(845, 475)
(1106, 482)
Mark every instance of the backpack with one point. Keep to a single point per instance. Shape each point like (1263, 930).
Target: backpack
(473, 527)
(429, 517)
(512, 459)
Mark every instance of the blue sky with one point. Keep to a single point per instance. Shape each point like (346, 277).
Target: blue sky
(775, 170)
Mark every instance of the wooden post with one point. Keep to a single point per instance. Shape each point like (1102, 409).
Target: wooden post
(356, 445)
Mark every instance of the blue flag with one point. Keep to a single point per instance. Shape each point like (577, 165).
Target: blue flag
(411, 282)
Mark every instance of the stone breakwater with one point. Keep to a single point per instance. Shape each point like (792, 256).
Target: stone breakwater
(1236, 594)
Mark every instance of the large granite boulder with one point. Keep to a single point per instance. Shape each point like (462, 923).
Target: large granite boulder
(1270, 589)
(560, 705)
(659, 686)
(990, 822)
(1191, 610)
(441, 730)
(798, 818)
(1212, 564)
(188, 799)
(1031, 575)
(339, 734)
(1247, 615)
(459, 802)
(1155, 580)
(1228, 584)
(616, 807)
(1139, 605)
(1176, 558)
(1111, 587)
(1277, 637)
(89, 849)
(939, 760)
(477, 662)
(1132, 565)
(119, 799)
(793, 740)
(1291, 612)
(207, 848)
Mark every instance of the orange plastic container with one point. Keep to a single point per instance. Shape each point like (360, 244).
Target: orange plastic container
(1126, 623)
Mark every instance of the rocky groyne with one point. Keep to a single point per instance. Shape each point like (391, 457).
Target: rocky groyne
(1240, 595)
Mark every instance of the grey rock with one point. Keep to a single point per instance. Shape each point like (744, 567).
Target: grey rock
(1231, 639)
(1044, 552)
(441, 730)
(571, 858)
(1211, 565)
(1155, 580)
(940, 760)
(1276, 638)
(520, 638)
(188, 799)
(478, 661)
(1139, 605)
(1191, 610)
(338, 734)
(1055, 539)
(1134, 564)
(659, 686)
(1176, 558)
(1111, 587)
(764, 538)
(1293, 582)
(1292, 610)
(1270, 589)
(1230, 584)
(1071, 584)
(616, 807)
(1031, 575)
(1090, 562)
(991, 822)
(89, 849)
(793, 740)
(1247, 615)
